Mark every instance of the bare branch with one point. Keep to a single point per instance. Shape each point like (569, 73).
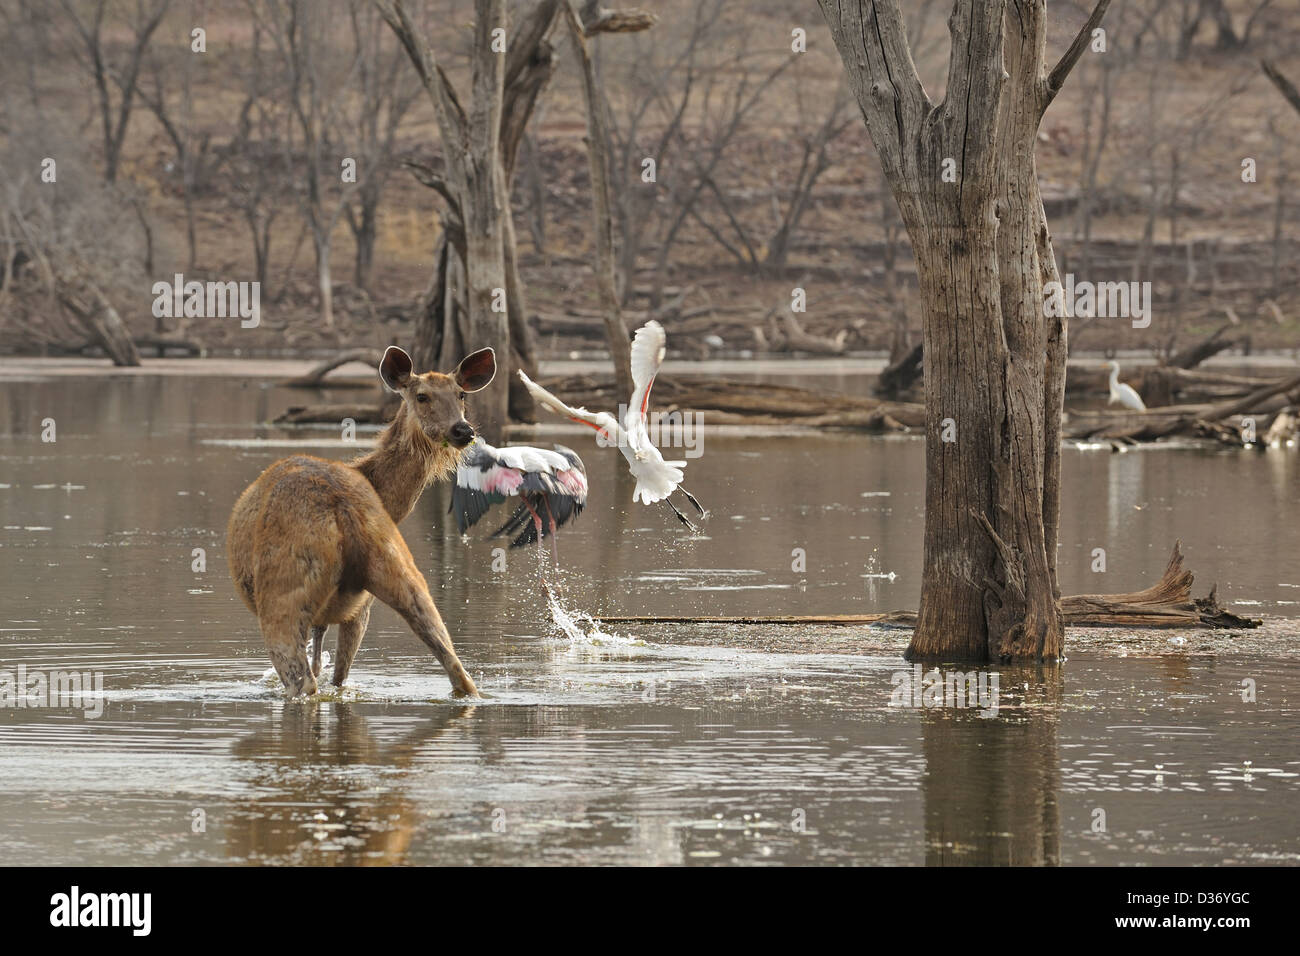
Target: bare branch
(872, 41)
(1284, 86)
(595, 20)
(1056, 79)
(451, 117)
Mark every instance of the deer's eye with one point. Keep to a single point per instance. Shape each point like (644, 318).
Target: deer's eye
(461, 396)
(422, 398)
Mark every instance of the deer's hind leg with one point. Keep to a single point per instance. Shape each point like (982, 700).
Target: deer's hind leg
(285, 628)
(349, 639)
(317, 641)
(292, 588)
(391, 576)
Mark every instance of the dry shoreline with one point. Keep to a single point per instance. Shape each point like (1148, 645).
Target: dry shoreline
(19, 367)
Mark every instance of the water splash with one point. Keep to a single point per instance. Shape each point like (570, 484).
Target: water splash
(272, 679)
(579, 626)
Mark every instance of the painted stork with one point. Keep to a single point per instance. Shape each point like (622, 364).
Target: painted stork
(1124, 394)
(656, 478)
(547, 483)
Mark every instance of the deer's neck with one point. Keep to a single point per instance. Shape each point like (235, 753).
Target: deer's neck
(403, 464)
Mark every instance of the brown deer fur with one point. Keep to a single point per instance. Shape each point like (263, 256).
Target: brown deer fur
(313, 542)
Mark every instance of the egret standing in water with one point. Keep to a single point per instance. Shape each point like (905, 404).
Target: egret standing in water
(656, 478)
(1124, 394)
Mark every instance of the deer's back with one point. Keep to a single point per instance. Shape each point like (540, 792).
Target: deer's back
(306, 508)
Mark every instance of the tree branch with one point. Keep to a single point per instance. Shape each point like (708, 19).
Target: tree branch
(872, 41)
(451, 117)
(1056, 79)
(1284, 86)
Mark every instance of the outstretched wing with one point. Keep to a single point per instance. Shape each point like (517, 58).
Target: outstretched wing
(648, 348)
(482, 480)
(600, 421)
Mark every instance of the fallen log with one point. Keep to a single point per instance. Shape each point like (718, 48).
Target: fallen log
(798, 339)
(333, 415)
(902, 375)
(751, 403)
(1208, 347)
(1195, 421)
(163, 344)
(1166, 604)
(103, 323)
(1284, 428)
(313, 378)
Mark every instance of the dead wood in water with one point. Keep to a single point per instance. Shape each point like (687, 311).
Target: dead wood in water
(334, 414)
(1285, 427)
(723, 403)
(314, 377)
(748, 403)
(1208, 347)
(902, 375)
(103, 323)
(1166, 604)
(1191, 421)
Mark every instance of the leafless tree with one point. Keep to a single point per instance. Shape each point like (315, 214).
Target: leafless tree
(55, 265)
(385, 91)
(318, 81)
(114, 78)
(995, 363)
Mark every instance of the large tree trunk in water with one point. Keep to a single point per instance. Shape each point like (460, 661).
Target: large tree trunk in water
(479, 150)
(484, 208)
(522, 353)
(963, 174)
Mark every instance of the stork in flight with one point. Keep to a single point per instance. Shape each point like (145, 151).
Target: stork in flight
(656, 478)
(550, 483)
(1124, 394)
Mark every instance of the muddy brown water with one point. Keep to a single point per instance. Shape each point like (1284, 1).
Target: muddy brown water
(677, 744)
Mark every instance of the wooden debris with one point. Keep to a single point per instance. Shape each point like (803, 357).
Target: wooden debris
(1192, 421)
(314, 377)
(1166, 604)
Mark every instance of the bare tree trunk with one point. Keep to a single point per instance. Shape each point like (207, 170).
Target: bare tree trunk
(485, 267)
(474, 185)
(324, 282)
(981, 241)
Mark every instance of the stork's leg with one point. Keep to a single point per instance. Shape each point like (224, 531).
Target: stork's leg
(550, 518)
(682, 518)
(537, 523)
(537, 519)
(691, 498)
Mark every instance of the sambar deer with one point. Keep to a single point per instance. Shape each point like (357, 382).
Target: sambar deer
(313, 542)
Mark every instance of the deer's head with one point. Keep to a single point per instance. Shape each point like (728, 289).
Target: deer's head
(433, 403)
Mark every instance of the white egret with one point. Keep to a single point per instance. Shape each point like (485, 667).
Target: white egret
(1124, 394)
(656, 478)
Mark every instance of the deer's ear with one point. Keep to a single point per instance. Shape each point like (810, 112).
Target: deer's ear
(476, 371)
(395, 369)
